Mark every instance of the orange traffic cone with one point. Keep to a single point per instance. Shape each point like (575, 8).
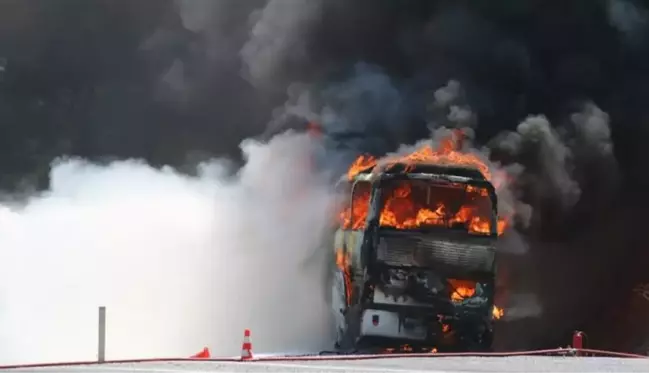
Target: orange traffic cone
(204, 354)
(246, 347)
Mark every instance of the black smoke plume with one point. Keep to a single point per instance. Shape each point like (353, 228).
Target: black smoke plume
(554, 91)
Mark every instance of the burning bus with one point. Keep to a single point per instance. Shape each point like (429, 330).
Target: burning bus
(415, 254)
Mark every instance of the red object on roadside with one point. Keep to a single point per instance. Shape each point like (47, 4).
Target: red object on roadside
(578, 341)
(246, 347)
(204, 354)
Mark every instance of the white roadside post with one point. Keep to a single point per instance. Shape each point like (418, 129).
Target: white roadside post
(101, 345)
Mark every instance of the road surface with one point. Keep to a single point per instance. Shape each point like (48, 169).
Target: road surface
(391, 365)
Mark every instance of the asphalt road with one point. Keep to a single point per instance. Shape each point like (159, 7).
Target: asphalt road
(392, 365)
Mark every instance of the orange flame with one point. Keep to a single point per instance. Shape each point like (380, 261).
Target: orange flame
(462, 289)
(498, 312)
(359, 208)
(406, 208)
(361, 163)
(446, 153)
(344, 263)
(400, 211)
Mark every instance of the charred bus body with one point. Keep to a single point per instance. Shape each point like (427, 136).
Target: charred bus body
(415, 260)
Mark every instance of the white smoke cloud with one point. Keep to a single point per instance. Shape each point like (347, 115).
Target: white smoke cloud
(179, 262)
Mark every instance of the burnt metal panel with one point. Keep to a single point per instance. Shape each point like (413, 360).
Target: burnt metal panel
(448, 253)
